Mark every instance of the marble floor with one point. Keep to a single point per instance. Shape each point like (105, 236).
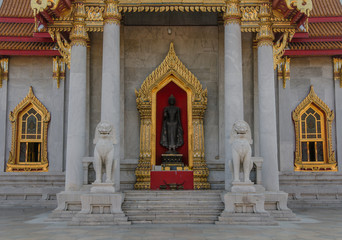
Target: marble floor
(31, 224)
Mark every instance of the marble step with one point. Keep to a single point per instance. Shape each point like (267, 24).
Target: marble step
(171, 203)
(173, 206)
(168, 196)
(172, 212)
(176, 218)
(138, 207)
(177, 221)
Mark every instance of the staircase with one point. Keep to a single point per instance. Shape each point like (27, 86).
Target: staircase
(173, 207)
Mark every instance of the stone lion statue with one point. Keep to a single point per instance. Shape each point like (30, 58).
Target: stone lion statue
(104, 151)
(241, 139)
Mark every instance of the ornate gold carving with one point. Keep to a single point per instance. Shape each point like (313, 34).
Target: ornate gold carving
(171, 69)
(94, 13)
(3, 70)
(265, 35)
(338, 70)
(284, 70)
(111, 13)
(58, 70)
(39, 6)
(64, 47)
(249, 9)
(304, 6)
(79, 35)
(232, 13)
(279, 49)
(249, 13)
(13, 163)
(330, 163)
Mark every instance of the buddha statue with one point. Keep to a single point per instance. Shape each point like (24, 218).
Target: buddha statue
(172, 131)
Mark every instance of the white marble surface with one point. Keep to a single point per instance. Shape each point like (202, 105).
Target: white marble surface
(338, 120)
(76, 141)
(267, 115)
(3, 125)
(233, 87)
(110, 98)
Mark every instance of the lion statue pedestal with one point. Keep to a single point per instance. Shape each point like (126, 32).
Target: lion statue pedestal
(243, 205)
(102, 206)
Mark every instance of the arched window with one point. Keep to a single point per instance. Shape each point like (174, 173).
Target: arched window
(29, 136)
(313, 120)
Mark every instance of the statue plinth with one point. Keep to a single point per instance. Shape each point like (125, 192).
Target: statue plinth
(102, 188)
(243, 187)
(172, 160)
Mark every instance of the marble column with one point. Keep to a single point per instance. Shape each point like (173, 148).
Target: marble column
(76, 135)
(110, 98)
(233, 84)
(4, 115)
(267, 102)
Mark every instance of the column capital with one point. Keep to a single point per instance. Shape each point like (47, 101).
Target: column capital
(232, 13)
(111, 13)
(79, 35)
(265, 35)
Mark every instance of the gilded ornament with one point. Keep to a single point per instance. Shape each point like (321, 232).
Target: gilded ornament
(284, 70)
(265, 35)
(111, 13)
(79, 35)
(3, 70)
(58, 66)
(338, 70)
(171, 69)
(232, 13)
(13, 163)
(94, 13)
(330, 163)
(39, 6)
(64, 48)
(279, 50)
(304, 6)
(249, 13)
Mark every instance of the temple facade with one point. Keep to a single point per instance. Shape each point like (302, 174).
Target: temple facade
(67, 65)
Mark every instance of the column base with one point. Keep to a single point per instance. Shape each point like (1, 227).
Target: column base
(276, 205)
(68, 204)
(245, 208)
(101, 209)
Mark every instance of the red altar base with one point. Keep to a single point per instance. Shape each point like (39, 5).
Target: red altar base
(168, 177)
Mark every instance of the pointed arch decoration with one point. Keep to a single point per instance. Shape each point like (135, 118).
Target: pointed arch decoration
(171, 69)
(29, 120)
(313, 128)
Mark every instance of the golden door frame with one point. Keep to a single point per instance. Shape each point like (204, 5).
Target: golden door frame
(329, 163)
(171, 69)
(161, 85)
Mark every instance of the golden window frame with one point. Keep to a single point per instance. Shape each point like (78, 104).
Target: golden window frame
(327, 116)
(18, 136)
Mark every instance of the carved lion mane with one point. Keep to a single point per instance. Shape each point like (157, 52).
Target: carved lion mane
(240, 130)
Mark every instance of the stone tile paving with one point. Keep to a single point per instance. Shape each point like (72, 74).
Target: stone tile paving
(31, 224)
